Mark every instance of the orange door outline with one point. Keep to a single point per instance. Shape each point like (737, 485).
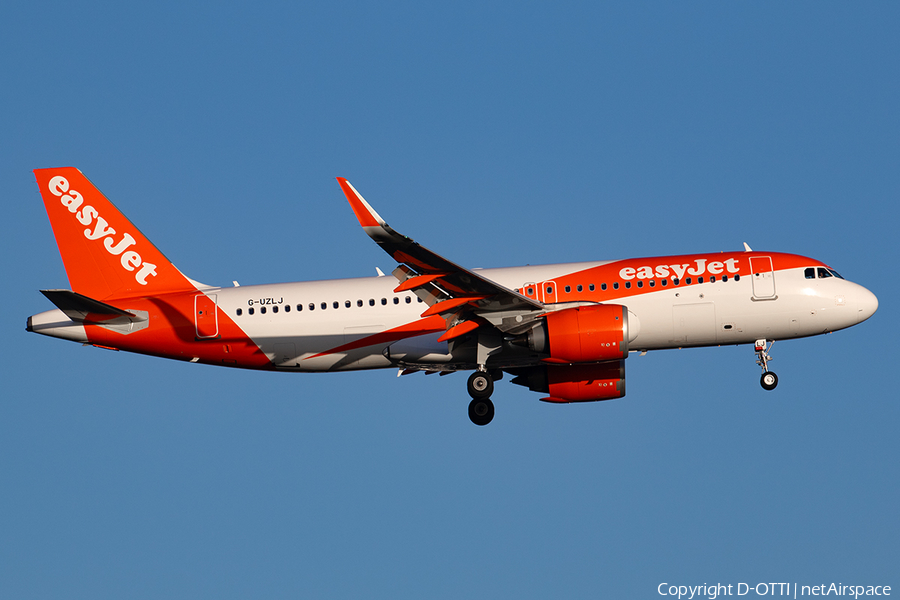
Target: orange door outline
(549, 292)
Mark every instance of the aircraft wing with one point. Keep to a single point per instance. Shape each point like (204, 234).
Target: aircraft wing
(463, 297)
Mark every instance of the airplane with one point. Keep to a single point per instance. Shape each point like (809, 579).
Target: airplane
(563, 330)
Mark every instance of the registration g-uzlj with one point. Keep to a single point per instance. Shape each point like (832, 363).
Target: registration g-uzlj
(563, 330)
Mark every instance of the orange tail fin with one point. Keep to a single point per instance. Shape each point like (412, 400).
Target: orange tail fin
(105, 255)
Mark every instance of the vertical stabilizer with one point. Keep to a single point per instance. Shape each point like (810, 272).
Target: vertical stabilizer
(105, 255)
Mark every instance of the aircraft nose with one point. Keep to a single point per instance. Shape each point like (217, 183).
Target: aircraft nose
(866, 305)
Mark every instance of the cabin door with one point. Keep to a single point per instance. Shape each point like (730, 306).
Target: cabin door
(206, 319)
(763, 277)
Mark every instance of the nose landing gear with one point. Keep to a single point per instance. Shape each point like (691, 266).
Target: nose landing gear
(481, 386)
(769, 379)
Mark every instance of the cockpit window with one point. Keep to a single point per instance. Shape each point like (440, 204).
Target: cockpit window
(810, 273)
(823, 273)
(835, 273)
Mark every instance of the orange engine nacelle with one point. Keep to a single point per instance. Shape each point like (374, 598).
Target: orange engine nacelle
(583, 334)
(577, 383)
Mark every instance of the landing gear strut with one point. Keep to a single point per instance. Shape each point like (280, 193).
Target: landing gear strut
(481, 386)
(769, 379)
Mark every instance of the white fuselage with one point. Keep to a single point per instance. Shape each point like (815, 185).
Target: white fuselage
(292, 322)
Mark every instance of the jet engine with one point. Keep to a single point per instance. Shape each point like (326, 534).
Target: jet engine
(583, 334)
(576, 383)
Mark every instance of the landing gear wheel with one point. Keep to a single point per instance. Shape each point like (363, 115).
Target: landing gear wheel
(481, 385)
(481, 411)
(768, 380)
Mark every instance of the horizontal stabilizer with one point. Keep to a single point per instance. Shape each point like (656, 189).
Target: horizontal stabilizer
(80, 308)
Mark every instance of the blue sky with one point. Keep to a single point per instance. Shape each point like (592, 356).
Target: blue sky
(496, 134)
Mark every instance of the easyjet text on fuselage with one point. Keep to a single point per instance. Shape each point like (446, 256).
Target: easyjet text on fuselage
(700, 266)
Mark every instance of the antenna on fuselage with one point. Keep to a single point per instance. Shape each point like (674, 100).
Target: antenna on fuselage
(747, 248)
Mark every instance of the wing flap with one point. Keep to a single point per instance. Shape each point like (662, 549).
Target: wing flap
(459, 330)
(446, 306)
(417, 281)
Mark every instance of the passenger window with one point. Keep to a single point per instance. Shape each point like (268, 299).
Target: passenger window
(603, 286)
(737, 277)
(383, 301)
(371, 302)
(274, 309)
(568, 289)
(724, 277)
(699, 280)
(250, 311)
(262, 310)
(640, 284)
(408, 299)
(616, 285)
(239, 312)
(627, 285)
(712, 278)
(324, 305)
(580, 288)
(652, 283)
(419, 299)
(688, 281)
(664, 282)
(396, 300)
(299, 307)
(591, 287)
(823, 273)
(312, 306)
(336, 304)
(359, 303)
(809, 272)
(287, 308)
(676, 281)
(346, 304)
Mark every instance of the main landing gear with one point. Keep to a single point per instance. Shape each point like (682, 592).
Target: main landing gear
(769, 379)
(481, 386)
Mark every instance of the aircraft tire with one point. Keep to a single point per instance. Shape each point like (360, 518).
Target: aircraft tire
(768, 380)
(481, 411)
(480, 385)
